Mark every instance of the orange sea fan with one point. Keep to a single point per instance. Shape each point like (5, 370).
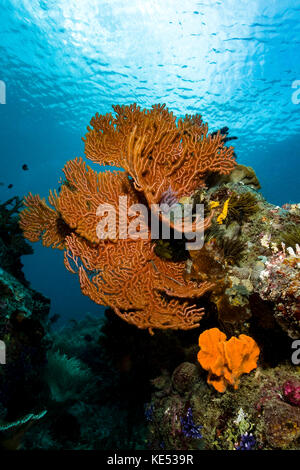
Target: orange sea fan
(86, 190)
(41, 222)
(158, 154)
(224, 360)
(128, 277)
(156, 151)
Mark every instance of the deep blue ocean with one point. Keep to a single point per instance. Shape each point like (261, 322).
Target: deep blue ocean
(236, 62)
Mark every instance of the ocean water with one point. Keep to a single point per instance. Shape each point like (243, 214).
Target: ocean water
(235, 62)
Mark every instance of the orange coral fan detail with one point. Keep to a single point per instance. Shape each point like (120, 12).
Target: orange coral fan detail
(141, 288)
(224, 360)
(40, 222)
(157, 153)
(86, 190)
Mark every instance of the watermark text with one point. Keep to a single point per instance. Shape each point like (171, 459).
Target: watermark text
(2, 92)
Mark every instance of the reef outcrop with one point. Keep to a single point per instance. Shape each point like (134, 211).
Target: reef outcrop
(23, 324)
(243, 283)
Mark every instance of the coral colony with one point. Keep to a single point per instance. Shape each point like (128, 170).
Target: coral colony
(247, 442)
(189, 428)
(179, 238)
(157, 152)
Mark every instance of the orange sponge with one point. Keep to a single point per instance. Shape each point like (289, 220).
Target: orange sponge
(224, 360)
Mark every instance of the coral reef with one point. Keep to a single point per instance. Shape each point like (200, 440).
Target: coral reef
(102, 383)
(247, 442)
(252, 418)
(103, 406)
(164, 160)
(280, 283)
(291, 237)
(241, 207)
(23, 324)
(189, 428)
(255, 293)
(12, 243)
(241, 174)
(252, 269)
(291, 392)
(66, 376)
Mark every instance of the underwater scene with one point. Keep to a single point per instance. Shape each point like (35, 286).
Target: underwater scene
(150, 228)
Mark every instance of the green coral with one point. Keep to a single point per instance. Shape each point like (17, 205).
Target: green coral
(236, 428)
(66, 376)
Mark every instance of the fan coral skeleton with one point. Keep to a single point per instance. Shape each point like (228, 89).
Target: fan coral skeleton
(164, 160)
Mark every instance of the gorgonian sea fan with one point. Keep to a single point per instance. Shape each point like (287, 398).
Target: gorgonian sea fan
(163, 158)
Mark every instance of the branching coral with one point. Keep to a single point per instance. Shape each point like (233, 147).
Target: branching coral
(117, 265)
(225, 360)
(156, 151)
(140, 287)
(41, 222)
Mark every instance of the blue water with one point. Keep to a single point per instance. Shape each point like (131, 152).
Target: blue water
(234, 61)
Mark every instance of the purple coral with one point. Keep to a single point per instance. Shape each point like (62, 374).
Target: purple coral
(247, 442)
(168, 199)
(291, 392)
(189, 428)
(148, 410)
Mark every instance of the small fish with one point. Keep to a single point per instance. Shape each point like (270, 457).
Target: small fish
(25, 167)
(10, 186)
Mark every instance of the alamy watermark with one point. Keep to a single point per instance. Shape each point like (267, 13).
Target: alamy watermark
(2, 353)
(2, 92)
(296, 354)
(296, 93)
(132, 222)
